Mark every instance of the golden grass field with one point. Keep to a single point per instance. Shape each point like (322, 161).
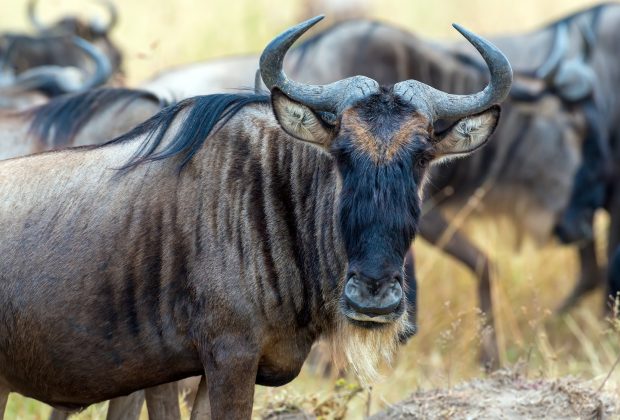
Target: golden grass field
(530, 281)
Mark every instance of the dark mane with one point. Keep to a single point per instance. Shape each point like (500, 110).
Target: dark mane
(204, 113)
(57, 122)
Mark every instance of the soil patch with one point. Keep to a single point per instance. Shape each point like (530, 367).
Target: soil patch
(506, 395)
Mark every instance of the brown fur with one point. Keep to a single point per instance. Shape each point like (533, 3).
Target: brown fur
(385, 151)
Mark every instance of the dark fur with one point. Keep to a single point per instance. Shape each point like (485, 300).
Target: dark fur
(204, 113)
(590, 184)
(613, 288)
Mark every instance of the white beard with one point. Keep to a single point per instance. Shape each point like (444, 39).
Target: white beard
(365, 349)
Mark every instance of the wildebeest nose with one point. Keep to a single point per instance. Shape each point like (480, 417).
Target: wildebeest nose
(373, 297)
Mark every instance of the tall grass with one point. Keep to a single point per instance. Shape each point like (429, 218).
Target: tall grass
(529, 282)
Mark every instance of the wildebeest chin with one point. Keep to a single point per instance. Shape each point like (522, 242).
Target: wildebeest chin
(256, 225)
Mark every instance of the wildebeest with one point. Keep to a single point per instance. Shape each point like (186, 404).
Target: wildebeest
(238, 230)
(95, 31)
(593, 186)
(38, 84)
(545, 114)
(89, 118)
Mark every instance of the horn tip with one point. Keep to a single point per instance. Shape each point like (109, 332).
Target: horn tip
(313, 21)
(461, 29)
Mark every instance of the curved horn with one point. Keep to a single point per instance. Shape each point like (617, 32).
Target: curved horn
(113, 13)
(333, 97)
(57, 80)
(550, 67)
(103, 68)
(258, 82)
(444, 105)
(32, 15)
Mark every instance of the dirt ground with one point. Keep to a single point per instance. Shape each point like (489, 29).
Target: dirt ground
(504, 395)
(508, 396)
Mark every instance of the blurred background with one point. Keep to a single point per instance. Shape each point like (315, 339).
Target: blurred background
(530, 279)
(156, 35)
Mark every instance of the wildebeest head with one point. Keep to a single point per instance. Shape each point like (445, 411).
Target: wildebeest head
(94, 30)
(53, 80)
(571, 78)
(382, 140)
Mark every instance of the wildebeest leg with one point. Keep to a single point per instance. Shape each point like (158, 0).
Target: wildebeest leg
(58, 415)
(231, 365)
(189, 387)
(126, 408)
(4, 397)
(614, 235)
(590, 276)
(433, 228)
(162, 402)
(201, 408)
(613, 282)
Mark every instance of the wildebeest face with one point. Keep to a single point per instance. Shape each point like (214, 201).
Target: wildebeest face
(381, 146)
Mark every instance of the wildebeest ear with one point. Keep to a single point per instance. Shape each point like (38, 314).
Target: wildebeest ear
(300, 121)
(467, 134)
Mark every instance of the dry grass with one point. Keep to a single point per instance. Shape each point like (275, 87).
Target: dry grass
(529, 283)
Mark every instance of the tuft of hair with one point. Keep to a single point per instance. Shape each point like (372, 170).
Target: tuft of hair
(467, 135)
(364, 349)
(205, 114)
(470, 129)
(56, 123)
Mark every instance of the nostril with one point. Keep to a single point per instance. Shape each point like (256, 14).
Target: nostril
(397, 278)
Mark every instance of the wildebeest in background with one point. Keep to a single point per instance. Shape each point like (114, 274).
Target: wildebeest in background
(534, 160)
(82, 119)
(613, 282)
(171, 268)
(38, 84)
(96, 31)
(594, 185)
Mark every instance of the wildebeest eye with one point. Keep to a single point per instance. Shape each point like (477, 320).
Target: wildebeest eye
(422, 161)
